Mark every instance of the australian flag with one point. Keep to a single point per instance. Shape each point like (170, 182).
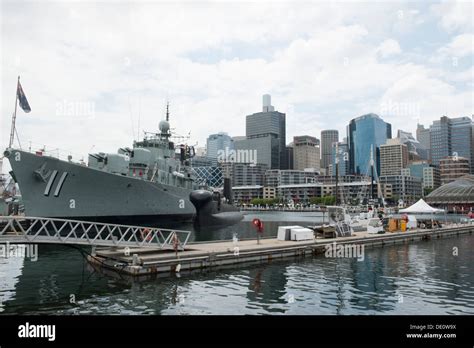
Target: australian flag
(22, 99)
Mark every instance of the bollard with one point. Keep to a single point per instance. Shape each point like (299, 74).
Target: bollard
(135, 260)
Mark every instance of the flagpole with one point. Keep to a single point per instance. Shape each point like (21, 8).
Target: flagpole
(12, 132)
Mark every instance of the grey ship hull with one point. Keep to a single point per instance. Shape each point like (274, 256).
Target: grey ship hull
(59, 189)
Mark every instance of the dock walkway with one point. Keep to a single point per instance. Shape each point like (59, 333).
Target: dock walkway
(146, 261)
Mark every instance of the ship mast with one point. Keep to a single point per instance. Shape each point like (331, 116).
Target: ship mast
(372, 171)
(164, 125)
(12, 131)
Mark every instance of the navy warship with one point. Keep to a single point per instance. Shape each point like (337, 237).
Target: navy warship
(147, 184)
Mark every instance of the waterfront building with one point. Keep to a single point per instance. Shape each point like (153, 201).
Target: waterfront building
(219, 146)
(269, 192)
(328, 138)
(452, 168)
(393, 157)
(457, 195)
(244, 194)
(244, 174)
(277, 177)
(299, 193)
(306, 153)
(365, 135)
(452, 137)
(405, 187)
(387, 190)
(347, 191)
(266, 134)
(429, 174)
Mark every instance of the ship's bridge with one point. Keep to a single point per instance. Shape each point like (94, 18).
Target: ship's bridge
(153, 140)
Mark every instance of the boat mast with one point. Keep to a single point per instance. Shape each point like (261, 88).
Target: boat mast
(337, 170)
(372, 171)
(12, 131)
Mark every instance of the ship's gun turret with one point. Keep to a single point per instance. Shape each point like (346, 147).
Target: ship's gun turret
(97, 160)
(110, 162)
(117, 163)
(140, 160)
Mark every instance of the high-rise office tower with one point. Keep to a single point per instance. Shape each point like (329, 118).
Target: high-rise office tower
(423, 137)
(218, 146)
(416, 151)
(341, 150)
(266, 134)
(393, 157)
(452, 137)
(328, 137)
(306, 153)
(365, 135)
(289, 156)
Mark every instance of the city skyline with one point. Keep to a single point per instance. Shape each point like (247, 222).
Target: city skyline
(404, 61)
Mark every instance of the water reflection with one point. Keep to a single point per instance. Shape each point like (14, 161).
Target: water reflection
(418, 278)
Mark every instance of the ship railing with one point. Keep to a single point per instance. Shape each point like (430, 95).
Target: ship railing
(31, 230)
(62, 154)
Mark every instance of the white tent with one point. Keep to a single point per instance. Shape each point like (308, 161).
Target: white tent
(421, 207)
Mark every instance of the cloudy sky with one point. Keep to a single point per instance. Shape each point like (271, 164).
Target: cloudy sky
(97, 74)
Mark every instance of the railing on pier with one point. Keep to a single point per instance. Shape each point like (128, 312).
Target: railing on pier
(20, 229)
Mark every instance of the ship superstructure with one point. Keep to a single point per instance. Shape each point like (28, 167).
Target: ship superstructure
(148, 183)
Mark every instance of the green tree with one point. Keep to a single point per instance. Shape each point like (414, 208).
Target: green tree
(315, 200)
(329, 200)
(256, 201)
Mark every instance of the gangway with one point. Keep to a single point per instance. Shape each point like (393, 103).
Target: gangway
(28, 230)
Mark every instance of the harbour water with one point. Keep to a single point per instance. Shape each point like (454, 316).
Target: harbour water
(416, 278)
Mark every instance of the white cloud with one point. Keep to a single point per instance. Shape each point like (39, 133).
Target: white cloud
(388, 48)
(324, 64)
(455, 15)
(460, 46)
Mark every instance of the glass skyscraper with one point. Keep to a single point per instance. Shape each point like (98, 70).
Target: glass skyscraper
(366, 132)
(343, 158)
(216, 143)
(452, 137)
